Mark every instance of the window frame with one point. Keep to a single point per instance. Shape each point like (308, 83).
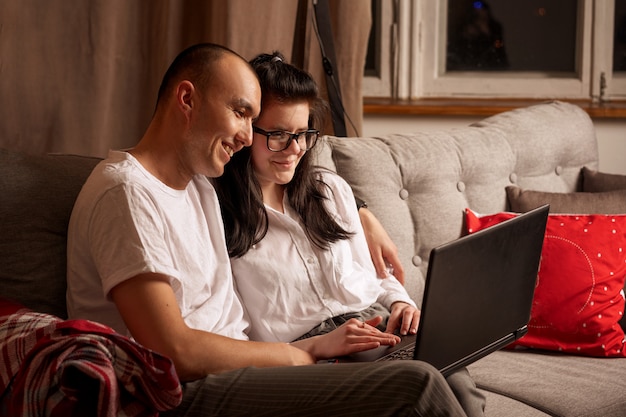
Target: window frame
(436, 83)
(609, 86)
(416, 71)
(380, 85)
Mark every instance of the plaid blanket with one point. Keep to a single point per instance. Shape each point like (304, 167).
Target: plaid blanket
(52, 367)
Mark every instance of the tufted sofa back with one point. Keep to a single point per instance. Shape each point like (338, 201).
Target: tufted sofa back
(419, 184)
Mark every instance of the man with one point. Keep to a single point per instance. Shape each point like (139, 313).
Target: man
(147, 256)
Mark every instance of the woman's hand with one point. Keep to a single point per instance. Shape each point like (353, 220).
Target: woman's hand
(403, 316)
(352, 336)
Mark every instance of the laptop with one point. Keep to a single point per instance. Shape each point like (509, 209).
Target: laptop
(477, 297)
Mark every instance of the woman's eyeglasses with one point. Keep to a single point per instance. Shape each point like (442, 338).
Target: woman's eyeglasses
(280, 140)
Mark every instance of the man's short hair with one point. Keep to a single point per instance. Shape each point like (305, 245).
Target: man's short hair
(194, 64)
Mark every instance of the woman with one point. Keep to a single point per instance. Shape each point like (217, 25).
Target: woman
(299, 256)
(297, 248)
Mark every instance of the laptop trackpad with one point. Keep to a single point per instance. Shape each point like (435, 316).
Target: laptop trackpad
(368, 355)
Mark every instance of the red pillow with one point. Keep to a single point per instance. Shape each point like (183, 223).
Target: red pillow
(579, 298)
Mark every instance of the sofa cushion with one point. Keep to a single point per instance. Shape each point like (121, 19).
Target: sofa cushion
(579, 297)
(497, 403)
(610, 199)
(38, 194)
(594, 181)
(559, 384)
(608, 202)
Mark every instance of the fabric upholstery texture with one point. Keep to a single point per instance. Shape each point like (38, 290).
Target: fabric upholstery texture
(607, 202)
(38, 194)
(559, 385)
(419, 184)
(595, 181)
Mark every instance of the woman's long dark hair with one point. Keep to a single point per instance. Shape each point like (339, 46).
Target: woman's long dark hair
(245, 217)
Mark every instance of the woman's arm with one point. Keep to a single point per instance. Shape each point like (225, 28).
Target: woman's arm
(383, 251)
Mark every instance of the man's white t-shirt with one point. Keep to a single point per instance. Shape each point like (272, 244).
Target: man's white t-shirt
(126, 222)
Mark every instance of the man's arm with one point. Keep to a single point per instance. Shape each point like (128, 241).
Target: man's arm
(383, 251)
(149, 308)
(150, 311)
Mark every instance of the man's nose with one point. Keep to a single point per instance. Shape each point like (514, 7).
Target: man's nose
(246, 134)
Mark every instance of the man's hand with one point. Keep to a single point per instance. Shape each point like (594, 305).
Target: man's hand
(352, 336)
(405, 317)
(383, 251)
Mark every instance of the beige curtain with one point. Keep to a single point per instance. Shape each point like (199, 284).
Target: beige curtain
(81, 76)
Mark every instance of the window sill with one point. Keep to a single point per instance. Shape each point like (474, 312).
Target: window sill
(479, 107)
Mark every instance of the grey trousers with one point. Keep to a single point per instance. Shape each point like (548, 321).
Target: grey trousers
(395, 388)
(471, 399)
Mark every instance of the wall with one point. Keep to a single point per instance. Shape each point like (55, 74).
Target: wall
(611, 133)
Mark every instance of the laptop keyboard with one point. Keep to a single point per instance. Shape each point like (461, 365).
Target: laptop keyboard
(400, 354)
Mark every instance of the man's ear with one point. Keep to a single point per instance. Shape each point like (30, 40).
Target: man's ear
(185, 95)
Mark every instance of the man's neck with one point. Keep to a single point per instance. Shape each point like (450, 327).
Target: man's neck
(160, 162)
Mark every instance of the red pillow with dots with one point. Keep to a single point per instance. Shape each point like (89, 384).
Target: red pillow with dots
(579, 297)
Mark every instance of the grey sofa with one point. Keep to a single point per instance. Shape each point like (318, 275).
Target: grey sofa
(418, 186)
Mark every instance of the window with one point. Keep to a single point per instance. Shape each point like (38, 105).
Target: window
(378, 62)
(569, 49)
(512, 37)
(619, 46)
(617, 84)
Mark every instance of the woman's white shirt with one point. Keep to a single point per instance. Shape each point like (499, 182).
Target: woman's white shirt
(288, 285)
